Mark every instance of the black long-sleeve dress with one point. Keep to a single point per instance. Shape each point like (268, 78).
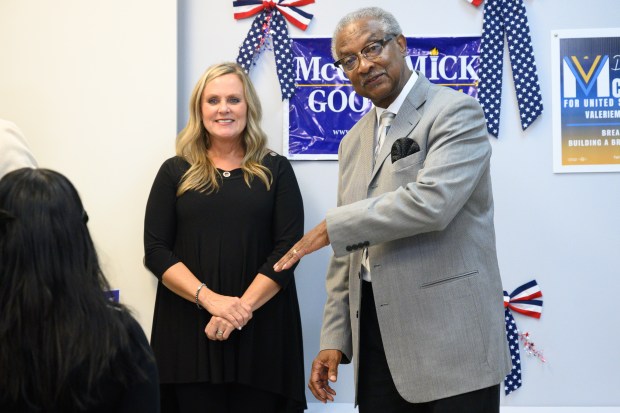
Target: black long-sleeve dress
(225, 239)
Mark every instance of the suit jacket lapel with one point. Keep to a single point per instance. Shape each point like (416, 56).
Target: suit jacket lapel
(366, 147)
(406, 119)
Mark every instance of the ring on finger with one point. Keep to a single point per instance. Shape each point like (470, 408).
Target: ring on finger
(219, 333)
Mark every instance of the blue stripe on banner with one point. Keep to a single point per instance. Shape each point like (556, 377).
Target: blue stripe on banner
(524, 287)
(529, 302)
(247, 3)
(301, 12)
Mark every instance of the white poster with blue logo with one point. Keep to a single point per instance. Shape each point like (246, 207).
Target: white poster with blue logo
(325, 106)
(586, 100)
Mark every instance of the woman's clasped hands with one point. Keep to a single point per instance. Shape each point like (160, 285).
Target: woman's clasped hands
(228, 314)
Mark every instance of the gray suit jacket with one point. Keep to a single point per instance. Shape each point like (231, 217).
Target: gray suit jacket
(428, 221)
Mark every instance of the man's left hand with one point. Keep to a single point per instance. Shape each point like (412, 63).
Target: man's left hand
(315, 239)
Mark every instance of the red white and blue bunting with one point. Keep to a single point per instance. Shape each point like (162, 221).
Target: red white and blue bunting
(269, 29)
(522, 300)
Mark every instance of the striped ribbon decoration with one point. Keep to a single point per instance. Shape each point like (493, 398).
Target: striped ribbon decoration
(289, 9)
(522, 300)
(270, 24)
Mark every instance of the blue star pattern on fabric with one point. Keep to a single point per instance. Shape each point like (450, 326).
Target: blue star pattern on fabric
(251, 45)
(521, 300)
(507, 18)
(283, 56)
(270, 27)
(513, 380)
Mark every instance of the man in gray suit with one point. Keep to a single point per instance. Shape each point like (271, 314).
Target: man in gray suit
(414, 291)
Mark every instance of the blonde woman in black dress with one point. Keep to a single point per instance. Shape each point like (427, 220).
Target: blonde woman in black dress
(221, 213)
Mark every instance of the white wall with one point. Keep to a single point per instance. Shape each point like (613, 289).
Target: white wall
(92, 84)
(563, 230)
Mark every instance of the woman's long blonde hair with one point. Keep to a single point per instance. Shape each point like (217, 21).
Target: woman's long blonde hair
(193, 141)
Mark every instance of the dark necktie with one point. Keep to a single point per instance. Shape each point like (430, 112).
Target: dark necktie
(507, 18)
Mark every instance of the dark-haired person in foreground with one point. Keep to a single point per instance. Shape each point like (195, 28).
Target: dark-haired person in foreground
(64, 346)
(414, 292)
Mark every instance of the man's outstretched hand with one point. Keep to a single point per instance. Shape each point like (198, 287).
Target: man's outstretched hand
(315, 239)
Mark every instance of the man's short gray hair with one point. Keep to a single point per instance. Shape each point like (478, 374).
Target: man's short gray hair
(387, 20)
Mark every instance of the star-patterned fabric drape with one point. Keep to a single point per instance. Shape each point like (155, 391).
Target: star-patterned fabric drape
(269, 31)
(521, 300)
(506, 19)
(281, 50)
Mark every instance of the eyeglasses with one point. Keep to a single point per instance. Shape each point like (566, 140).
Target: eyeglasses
(370, 52)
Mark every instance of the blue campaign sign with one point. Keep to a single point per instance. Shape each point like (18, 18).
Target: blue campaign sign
(586, 121)
(325, 106)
